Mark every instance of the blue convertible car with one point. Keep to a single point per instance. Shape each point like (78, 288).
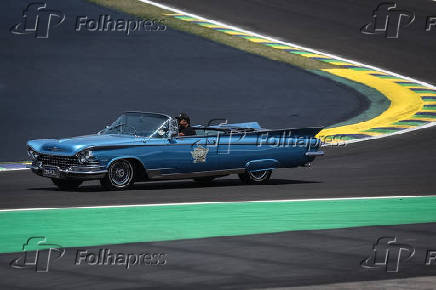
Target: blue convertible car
(146, 146)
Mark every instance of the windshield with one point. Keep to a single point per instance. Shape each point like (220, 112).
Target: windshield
(139, 124)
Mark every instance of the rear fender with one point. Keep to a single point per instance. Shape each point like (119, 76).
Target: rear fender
(262, 164)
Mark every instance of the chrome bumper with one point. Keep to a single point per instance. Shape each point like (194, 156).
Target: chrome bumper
(73, 172)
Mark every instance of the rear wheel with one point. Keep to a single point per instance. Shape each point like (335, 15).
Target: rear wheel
(63, 184)
(256, 177)
(119, 176)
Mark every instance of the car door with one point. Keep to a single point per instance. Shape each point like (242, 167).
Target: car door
(190, 154)
(236, 149)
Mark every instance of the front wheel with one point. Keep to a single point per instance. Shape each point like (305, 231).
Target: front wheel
(63, 184)
(255, 177)
(119, 176)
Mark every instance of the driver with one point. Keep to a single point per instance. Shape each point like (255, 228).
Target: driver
(185, 128)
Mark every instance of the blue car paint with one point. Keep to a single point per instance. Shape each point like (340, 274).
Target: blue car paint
(255, 150)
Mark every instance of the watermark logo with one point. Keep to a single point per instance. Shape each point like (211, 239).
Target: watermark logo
(38, 255)
(387, 254)
(105, 257)
(388, 20)
(105, 23)
(38, 20)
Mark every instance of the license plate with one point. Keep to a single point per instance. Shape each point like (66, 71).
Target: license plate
(50, 172)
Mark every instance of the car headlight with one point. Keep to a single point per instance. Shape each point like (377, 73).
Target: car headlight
(84, 156)
(33, 155)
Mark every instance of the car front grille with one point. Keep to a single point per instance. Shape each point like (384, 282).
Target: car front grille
(60, 161)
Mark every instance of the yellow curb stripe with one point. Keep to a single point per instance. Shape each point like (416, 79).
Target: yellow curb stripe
(339, 63)
(210, 25)
(233, 32)
(316, 55)
(404, 102)
(257, 40)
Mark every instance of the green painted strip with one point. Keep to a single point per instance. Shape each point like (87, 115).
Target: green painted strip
(409, 123)
(424, 91)
(361, 68)
(429, 107)
(388, 77)
(345, 138)
(301, 52)
(425, 116)
(100, 226)
(183, 17)
(412, 85)
(252, 37)
(205, 24)
(329, 60)
(377, 130)
(278, 45)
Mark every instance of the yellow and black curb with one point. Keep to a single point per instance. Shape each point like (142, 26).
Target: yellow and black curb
(412, 105)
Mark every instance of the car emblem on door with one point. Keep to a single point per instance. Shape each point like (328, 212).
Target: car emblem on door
(199, 154)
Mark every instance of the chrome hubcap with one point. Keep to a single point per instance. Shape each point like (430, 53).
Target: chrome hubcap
(120, 173)
(258, 175)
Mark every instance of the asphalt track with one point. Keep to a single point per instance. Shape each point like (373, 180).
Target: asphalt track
(77, 82)
(301, 258)
(398, 165)
(389, 166)
(333, 26)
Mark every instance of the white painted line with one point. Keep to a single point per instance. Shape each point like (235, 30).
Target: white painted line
(175, 10)
(218, 202)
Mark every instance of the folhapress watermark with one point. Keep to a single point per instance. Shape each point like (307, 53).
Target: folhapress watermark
(38, 255)
(388, 19)
(104, 257)
(388, 254)
(37, 20)
(105, 23)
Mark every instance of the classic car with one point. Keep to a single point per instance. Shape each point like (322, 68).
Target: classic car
(143, 146)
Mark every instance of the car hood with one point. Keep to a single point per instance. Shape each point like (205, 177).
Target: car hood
(70, 146)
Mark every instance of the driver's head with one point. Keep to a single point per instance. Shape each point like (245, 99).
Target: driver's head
(184, 120)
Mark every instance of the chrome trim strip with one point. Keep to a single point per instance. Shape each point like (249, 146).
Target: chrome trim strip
(155, 174)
